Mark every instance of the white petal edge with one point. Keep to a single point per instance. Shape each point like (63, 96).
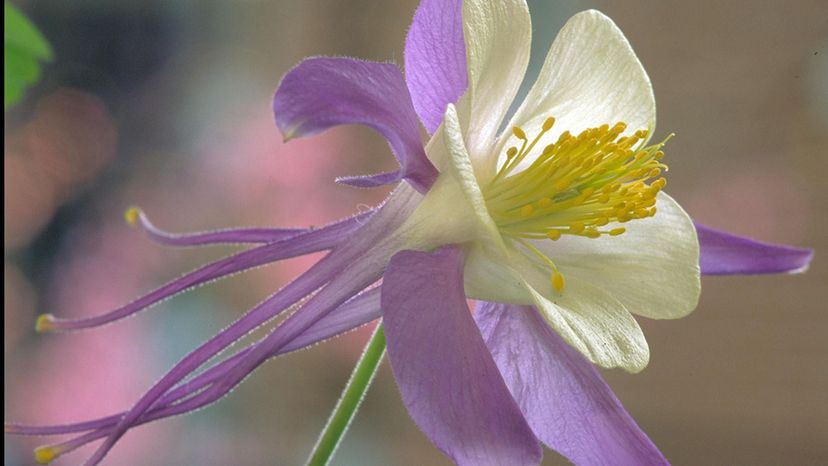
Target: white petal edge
(652, 269)
(590, 319)
(598, 326)
(453, 211)
(591, 76)
(498, 37)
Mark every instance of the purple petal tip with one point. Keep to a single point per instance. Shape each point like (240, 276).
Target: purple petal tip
(724, 253)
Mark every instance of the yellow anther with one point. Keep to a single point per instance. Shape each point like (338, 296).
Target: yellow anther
(558, 281)
(639, 157)
(611, 188)
(574, 186)
(564, 148)
(562, 161)
(45, 323)
(45, 454)
(562, 185)
(131, 215)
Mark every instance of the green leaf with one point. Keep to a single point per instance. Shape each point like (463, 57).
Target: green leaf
(24, 49)
(23, 34)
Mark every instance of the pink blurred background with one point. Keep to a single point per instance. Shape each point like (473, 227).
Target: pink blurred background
(167, 106)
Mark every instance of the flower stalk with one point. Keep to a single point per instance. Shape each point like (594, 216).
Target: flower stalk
(350, 401)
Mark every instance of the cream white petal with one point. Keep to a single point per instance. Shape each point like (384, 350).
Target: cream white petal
(497, 36)
(587, 317)
(597, 325)
(591, 76)
(653, 268)
(453, 211)
(489, 276)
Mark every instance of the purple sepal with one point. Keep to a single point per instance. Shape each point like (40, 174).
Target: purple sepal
(563, 397)
(320, 93)
(728, 254)
(435, 59)
(447, 378)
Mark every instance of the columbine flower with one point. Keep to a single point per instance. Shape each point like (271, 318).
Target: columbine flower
(559, 227)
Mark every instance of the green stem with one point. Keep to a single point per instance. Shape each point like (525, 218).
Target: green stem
(349, 402)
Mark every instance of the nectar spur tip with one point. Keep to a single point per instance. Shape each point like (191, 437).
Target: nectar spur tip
(45, 455)
(131, 215)
(45, 323)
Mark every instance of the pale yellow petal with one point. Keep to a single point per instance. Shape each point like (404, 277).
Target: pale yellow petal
(591, 76)
(498, 37)
(653, 268)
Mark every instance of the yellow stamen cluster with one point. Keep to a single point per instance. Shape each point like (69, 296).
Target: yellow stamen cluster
(575, 186)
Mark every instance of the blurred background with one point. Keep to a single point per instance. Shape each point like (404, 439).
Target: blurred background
(166, 105)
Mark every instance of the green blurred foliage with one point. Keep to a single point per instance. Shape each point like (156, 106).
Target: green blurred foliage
(25, 47)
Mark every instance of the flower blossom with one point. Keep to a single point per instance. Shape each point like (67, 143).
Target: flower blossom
(558, 226)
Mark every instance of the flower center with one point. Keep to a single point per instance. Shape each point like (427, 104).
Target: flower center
(575, 186)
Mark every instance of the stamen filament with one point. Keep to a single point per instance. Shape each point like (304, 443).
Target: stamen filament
(557, 278)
